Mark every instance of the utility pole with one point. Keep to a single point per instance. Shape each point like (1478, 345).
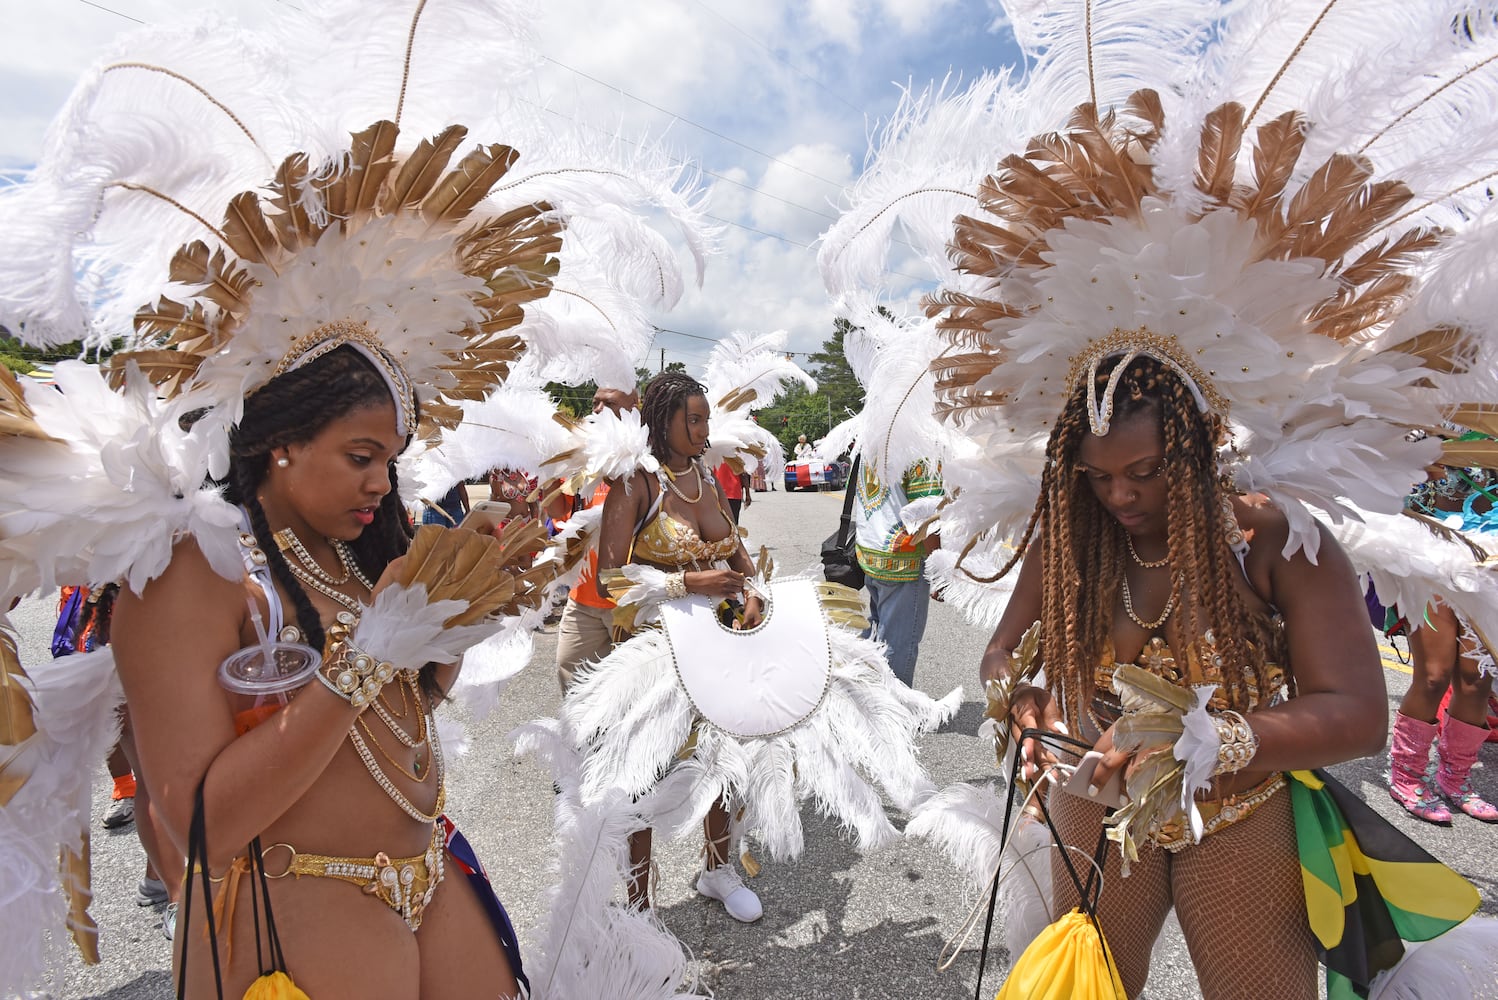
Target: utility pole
(663, 361)
(829, 414)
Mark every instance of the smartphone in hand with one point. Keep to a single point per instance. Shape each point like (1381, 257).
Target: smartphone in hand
(485, 516)
(1111, 795)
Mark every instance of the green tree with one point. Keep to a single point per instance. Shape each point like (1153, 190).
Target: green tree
(574, 399)
(835, 378)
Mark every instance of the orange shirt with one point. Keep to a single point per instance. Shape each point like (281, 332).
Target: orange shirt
(584, 591)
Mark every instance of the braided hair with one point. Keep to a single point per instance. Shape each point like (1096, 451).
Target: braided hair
(291, 409)
(1082, 547)
(666, 393)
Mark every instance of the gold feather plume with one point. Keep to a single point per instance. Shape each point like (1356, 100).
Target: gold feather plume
(514, 253)
(485, 571)
(1099, 167)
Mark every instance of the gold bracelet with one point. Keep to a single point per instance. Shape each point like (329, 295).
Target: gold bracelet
(354, 675)
(1239, 742)
(676, 586)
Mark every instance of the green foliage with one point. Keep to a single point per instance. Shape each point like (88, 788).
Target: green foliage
(839, 395)
(18, 365)
(574, 399)
(13, 348)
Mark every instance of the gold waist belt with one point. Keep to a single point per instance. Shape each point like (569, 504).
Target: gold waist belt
(406, 885)
(1219, 813)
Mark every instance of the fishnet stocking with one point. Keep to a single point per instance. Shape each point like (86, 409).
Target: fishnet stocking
(1238, 897)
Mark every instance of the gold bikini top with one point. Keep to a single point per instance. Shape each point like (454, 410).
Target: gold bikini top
(668, 542)
(1158, 658)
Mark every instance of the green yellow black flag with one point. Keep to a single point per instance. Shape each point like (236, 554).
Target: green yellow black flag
(1368, 887)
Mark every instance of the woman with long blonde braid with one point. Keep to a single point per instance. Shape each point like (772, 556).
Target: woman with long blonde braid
(1138, 554)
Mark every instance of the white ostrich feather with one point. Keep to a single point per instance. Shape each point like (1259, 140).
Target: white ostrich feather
(402, 628)
(489, 666)
(77, 700)
(514, 427)
(108, 498)
(605, 446)
(937, 146)
(1463, 962)
(967, 823)
(634, 718)
(589, 946)
(748, 370)
(1411, 566)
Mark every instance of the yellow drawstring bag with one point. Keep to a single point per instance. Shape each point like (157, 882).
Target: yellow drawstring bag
(1069, 960)
(274, 986)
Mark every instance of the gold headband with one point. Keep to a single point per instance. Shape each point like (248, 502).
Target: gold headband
(1129, 344)
(330, 337)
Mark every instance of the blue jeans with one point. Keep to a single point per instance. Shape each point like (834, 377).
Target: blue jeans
(897, 616)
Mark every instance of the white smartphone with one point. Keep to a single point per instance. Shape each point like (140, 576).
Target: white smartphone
(1111, 795)
(486, 515)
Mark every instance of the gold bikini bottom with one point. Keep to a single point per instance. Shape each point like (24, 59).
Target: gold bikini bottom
(406, 885)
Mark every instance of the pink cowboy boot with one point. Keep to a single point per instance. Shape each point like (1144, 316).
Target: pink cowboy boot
(1409, 755)
(1457, 752)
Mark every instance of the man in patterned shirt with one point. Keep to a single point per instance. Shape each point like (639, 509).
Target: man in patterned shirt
(893, 564)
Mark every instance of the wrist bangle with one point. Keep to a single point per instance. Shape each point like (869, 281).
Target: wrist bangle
(354, 675)
(1239, 743)
(676, 586)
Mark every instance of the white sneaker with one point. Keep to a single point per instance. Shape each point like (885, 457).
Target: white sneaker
(723, 884)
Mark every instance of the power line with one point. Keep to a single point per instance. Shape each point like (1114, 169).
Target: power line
(684, 163)
(688, 121)
(111, 10)
(784, 62)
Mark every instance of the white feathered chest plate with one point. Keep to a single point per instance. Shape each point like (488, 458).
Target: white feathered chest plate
(759, 682)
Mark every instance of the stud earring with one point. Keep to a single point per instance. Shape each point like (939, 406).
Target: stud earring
(282, 462)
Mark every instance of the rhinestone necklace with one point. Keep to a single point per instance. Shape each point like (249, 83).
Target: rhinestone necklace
(387, 717)
(1170, 605)
(383, 780)
(1156, 564)
(670, 482)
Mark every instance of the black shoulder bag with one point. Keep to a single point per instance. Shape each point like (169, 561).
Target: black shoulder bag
(840, 549)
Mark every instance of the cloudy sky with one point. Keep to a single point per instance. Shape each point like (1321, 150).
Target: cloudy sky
(774, 100)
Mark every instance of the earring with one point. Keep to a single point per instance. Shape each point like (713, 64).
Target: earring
(282, 462)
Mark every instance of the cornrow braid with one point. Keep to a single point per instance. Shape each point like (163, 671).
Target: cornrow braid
(666, 393)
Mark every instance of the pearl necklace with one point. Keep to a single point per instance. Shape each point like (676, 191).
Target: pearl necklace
(287, 541)
(350, 603)
(1156, 564)
(670, 482)
(1170, 605)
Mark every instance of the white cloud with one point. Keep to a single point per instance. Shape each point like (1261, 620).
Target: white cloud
(771, 96)
(792, 197)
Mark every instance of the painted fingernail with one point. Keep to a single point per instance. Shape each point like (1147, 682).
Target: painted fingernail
(1092, 791)
(1060, 727)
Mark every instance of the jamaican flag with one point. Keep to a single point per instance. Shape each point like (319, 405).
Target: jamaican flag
(1368, 887)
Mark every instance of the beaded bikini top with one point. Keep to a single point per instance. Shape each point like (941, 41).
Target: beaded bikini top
(1159, 659)
(669, 542)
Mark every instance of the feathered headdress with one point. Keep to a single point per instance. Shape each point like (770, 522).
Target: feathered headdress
(226, 206)
(1246, 193)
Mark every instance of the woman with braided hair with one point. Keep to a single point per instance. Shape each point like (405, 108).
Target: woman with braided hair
(312, 467)
(1138, 553)
(677, 520)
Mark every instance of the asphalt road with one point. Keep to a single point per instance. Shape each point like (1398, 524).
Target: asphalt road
(836, 924)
